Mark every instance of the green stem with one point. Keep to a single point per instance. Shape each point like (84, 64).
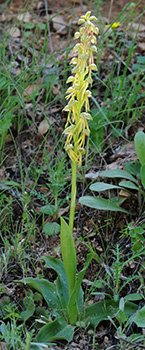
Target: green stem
(73, 196)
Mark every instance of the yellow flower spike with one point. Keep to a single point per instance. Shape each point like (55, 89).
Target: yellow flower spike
(77, 128)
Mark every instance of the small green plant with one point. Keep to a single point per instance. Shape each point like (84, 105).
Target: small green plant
(14, 318)
(136, 234)
(8, 103)
(134, 176)
(57, 184)
(115, 281)
(140, 65)
(122, 323)
(10, 329)
(139, 141)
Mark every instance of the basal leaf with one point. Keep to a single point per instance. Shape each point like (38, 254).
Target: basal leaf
(129, 185)
(100, 203)
(139, 141)
(101, 186)
(118, 173)
(29, 307)
(130, 308)
(142, 170)
(133, 297)
(57, 329)
(77, 294)
(68, 254)
(133, 168)
(61, 282)
(48, 291)
(100, 311)
(139, 318)
(40, 346)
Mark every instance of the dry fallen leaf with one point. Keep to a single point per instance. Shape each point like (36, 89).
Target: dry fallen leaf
(30, 89)
(59, 25)
(56, 89)
(14, 32)
(3, 17)
(25, 17)
(63, 211)
(137, 26)
(9, 138)
(2, 172)
(124, 194)
(44, 126)
(141, 46)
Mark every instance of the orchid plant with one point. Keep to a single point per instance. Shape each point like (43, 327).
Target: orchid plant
(65, 298)
(77, 129)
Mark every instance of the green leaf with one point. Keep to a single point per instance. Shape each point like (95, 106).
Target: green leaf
(97, 129)
(100, 203)
(139, 67)
(48, 291)
(100, 311)
(141, 59)
(41, 26)
(142, 171)
(133, 297)
(57, 329)
(29, 25)
(68, 254)
(128, 184)
(29, 307)
(121, 317)
(139, 141)
(40, 346)
(139, 318)
(4, 5)
(61, 282)
(101, 186)
(118, 173)
(130, 308)
(8, 184)
(133, 168)
(76, 298)
(51, 228)
(48, 209)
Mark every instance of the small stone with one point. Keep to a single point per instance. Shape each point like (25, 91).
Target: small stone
(106, 340)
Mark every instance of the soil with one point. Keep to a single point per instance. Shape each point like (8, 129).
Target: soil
(111, 9)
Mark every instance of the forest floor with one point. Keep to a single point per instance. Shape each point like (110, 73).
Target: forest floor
(32, 155)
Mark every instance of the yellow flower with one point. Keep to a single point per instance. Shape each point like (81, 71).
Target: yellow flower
(114, 25)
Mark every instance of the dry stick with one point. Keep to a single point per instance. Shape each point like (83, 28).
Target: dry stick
(131, 342)
(48, 26)
(120, 60)
(110, 10)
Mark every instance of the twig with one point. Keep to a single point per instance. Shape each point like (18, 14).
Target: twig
(131, 342)
(48, 26)
(110, 10)
(120, 60)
